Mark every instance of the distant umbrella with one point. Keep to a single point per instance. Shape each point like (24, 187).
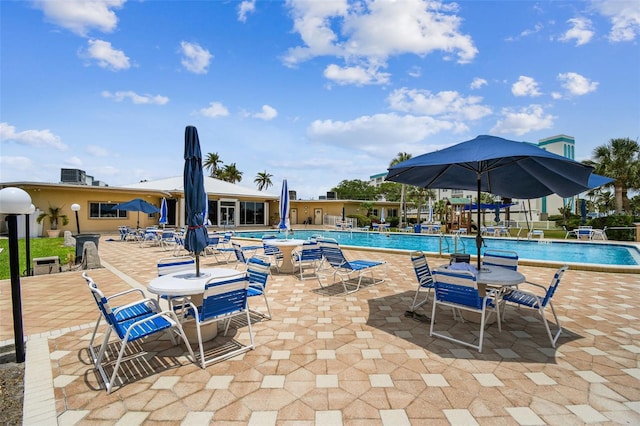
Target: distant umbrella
(430, 212)
(284, 207)
(497, 211)
(382, 215)
(195, 197)
(163, 213)
(137, 205)
(583, 211)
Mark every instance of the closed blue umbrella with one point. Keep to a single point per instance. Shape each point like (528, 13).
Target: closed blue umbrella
(497, 212)
(583, 211)
(284, 207)
(430, 212)
(382, 215)
(497, 166)
(195, 197)
(137, 205)
(163, 212)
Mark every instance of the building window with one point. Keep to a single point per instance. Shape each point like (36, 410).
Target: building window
(104, 211)
(251, 213)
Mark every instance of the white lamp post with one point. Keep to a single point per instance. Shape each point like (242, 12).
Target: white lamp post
(76, 208)
(15, 201)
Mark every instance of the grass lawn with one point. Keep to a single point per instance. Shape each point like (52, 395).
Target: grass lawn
(40, 247)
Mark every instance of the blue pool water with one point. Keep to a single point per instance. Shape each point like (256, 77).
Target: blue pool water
(557, 251)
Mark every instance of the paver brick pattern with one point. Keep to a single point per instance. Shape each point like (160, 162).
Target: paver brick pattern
(327, 358)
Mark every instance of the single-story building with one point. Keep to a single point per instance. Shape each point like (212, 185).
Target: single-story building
(230, 205)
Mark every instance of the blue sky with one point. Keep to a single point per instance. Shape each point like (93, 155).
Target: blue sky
(312, 91)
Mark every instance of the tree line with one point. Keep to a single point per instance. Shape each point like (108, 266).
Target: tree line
(618, 159)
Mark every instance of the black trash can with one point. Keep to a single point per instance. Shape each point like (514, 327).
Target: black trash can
(83, 238)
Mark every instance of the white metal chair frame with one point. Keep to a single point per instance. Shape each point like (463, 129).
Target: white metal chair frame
(310, 255)
(258, 271)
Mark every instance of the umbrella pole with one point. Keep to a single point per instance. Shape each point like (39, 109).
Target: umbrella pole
(197, 265)
(479, 234)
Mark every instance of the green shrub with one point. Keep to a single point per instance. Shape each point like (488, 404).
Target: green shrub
(615, 221)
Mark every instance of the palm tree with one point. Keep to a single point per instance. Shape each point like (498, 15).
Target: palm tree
(619, 159)
(230, 173)
(402, 156)
(263, 180)
(212, 163)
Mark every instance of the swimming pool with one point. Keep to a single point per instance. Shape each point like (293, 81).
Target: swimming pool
(545, 250)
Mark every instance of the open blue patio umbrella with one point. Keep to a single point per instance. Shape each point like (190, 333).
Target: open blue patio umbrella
(163, 213)
(195, 197)
(495, 165)
(137, 205)
(284, 207)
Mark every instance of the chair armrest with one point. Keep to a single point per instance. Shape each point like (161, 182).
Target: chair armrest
(122, 293)
(137, 302)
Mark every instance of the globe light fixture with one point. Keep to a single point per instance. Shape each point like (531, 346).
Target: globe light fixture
(15, 201)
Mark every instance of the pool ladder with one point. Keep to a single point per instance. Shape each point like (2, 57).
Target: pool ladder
(456, 240)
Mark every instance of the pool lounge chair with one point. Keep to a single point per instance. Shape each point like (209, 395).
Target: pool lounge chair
(344, 268)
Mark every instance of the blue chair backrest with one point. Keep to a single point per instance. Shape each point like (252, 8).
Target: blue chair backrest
(223, 297)
(214, 240)
(258, 272)
(237, 248)
(421, 268)
(505, 259)
(334, 256)
(310, 251)
(554, 285)
(459, 287)
(168, 266)
(168, 235)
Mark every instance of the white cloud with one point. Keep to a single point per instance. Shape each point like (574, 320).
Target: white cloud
(576, 84)
(369, 33)
(106, 56)
(19, 168)
(522, 121)
(377, 134)
(246, 7)
(415, 71)
(195, 58)
(525, 86)
(97, 151)
(446, 104)
(32, 138)
(135, 98)
(267, 113)
(80, 16)
(580, 31)
(355, 75)
(478, 83)
(215, 109)
(73, 161)
(624, 16)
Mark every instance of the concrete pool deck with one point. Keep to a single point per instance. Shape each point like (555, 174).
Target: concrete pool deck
(329, 359)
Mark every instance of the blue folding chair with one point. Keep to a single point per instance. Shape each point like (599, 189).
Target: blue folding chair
(222, 301)
(539, 302)
(128, 329)
(459, 290)
(425, 280)
(309, 255)
(258, 271)
(503, 258)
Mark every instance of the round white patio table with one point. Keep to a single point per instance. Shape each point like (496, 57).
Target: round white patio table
(493, 276)
(185, 283)
(286, 247)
